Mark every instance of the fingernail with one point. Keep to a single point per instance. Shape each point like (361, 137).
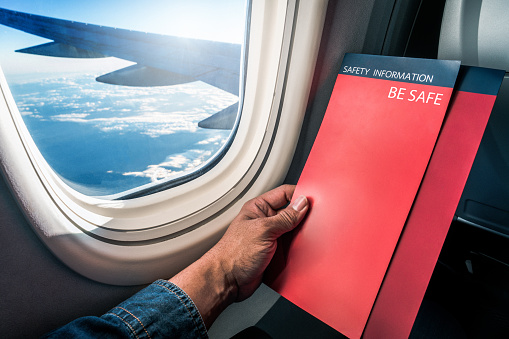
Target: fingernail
(300, 203)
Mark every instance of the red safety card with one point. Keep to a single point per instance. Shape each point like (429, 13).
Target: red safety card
(418, 249)
(361, 178)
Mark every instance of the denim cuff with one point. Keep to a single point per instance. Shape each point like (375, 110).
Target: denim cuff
(160, 310)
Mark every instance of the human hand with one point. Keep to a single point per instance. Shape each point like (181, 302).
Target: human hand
(251, 240)
(233, 269)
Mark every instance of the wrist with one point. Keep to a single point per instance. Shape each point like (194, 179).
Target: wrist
(226, 267)
(221, 279)
(209, 283)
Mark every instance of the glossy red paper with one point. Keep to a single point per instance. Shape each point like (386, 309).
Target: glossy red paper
(361, 177)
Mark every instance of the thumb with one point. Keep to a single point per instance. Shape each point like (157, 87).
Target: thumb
(288, 218)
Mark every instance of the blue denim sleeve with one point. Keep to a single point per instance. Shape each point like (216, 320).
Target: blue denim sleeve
(161, 310)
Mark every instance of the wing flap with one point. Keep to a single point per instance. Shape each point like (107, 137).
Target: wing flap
(224, 119)
(144, 76)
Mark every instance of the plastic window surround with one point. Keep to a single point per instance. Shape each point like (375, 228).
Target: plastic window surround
(127, 242)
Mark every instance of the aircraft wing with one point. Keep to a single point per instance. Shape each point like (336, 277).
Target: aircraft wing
(160, 59)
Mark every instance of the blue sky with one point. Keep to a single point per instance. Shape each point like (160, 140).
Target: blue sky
(212, 20)
(157, 16)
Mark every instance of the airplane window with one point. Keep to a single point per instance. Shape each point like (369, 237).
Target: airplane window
(121, 96)
(93, 102)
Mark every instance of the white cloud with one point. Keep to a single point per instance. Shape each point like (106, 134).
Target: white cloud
(153, 111)
(153, 172)
(174, 165)
(216, 140)
(177, 161)
(114, 128)
(73, 117)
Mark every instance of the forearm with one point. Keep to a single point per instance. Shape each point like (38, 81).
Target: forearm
(208, 284)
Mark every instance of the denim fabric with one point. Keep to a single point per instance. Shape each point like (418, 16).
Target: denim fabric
(161, 310)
